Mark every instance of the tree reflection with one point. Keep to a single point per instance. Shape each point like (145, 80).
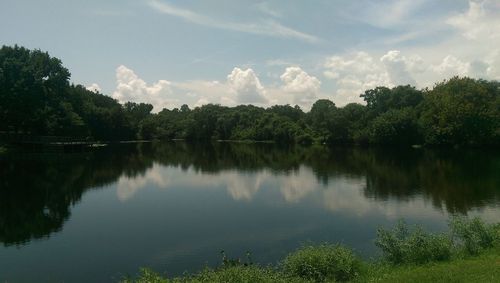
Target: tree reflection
(38, 190)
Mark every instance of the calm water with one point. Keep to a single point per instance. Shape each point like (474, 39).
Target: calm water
(100, 215)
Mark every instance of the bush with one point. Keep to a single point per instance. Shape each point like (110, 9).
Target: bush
(323, 262)
(473, 234)
(401, 245)
(146, 276)
(238, 273)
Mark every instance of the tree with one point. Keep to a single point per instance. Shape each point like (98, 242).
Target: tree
(462, 111)
(382, 99)
(396, 126)
(32, 87)
(320, 117)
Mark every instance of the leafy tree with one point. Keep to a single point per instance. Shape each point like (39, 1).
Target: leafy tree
(37, 99)
(462, 111)
(396, 126)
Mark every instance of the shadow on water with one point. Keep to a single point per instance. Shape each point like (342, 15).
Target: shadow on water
(37, 190)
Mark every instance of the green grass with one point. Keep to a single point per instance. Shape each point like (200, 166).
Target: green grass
(483, 268)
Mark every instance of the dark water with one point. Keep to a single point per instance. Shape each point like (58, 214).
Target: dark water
(100, 215)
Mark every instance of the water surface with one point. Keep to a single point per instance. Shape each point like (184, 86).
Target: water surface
(100, 215)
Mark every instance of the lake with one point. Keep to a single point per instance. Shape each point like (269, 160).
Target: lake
(99, 215)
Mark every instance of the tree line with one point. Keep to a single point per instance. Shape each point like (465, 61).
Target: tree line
(36, 98)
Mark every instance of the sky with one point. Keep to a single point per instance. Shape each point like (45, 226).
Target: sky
(232, 52)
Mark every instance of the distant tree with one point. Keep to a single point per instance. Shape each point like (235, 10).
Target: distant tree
(320, 117)
(396, 126)
(382, 99)
(462, 111)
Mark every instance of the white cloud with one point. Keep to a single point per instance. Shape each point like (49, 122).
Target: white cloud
(478, 69)
(199, 92)
(94, 87)
(302, 86)
(268, 27)
(398, 67)
(451, 66)
(389, 13)
(246, 86)
(479, 22)
(265, 8)
(493, 60)
(354, 73)
(132, 88)
(359, 63)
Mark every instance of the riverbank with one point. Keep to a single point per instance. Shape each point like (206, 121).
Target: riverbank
(469, 252)
(483, 268)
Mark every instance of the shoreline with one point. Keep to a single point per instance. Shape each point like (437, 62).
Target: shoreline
(469, 252)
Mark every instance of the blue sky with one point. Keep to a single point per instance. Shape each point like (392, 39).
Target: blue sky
(261, 52)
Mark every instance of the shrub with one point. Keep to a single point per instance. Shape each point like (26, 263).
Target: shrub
(473, 234)
(236, 273)
(401, 245)
(240, 273)
(323, 262)
(146, 276)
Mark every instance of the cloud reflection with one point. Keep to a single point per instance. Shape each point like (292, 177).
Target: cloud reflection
(341, 194)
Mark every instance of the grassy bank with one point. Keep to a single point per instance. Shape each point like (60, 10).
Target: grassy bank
(469, 252)
(482, 268)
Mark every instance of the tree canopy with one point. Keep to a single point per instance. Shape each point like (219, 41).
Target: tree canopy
(36, 98)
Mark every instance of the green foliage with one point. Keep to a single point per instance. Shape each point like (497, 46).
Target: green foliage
(382, 99)
(462, 111)
(243, 274)
(247, 274)
(473, 235)
(37, 99)
(147, 275)
(396, 126)
(322, 263)
(403, 246)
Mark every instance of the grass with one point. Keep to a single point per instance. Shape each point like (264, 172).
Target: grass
(470, 252)
(483, 268)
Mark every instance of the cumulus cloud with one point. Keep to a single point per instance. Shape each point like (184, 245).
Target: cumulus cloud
(353, 74)
(493, 69)
(132, 88)
(302, 86)
(397, 67)
(356, 72)
(246, 86)
(200, 92)
(94, 87)
(451, 66)
(479, 21)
